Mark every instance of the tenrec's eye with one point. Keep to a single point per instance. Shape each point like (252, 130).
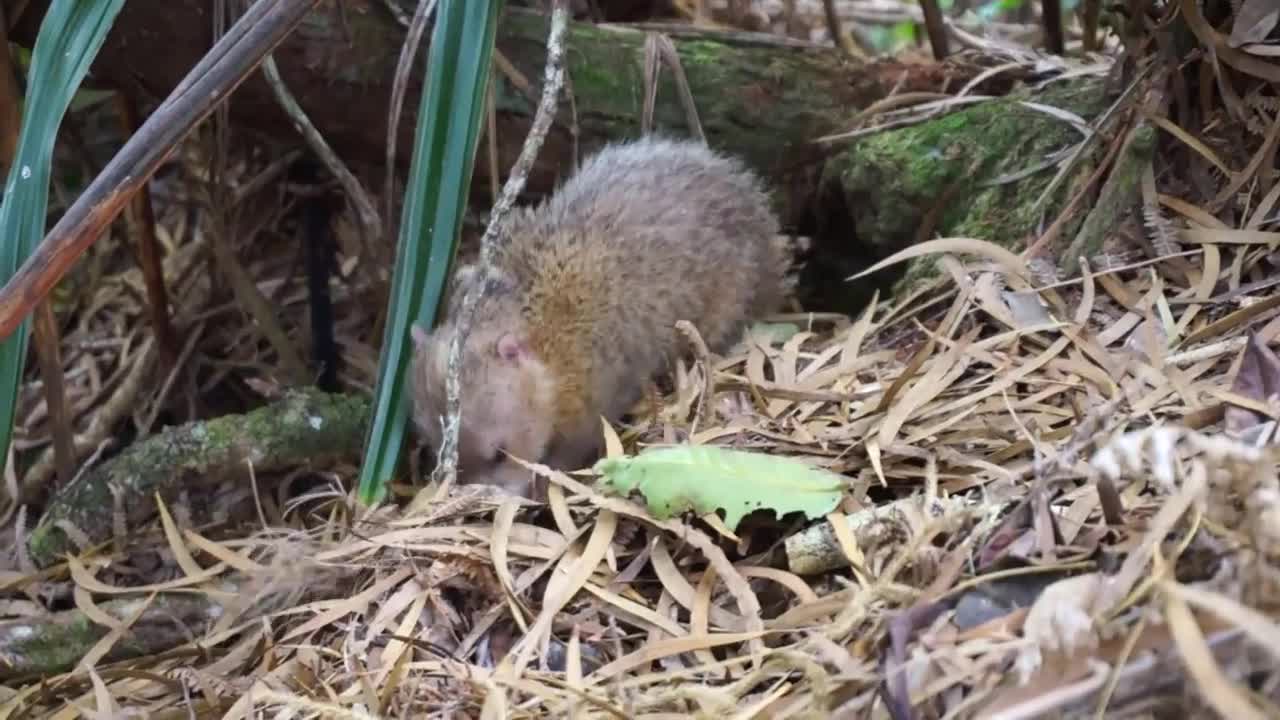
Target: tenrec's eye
(496, 458)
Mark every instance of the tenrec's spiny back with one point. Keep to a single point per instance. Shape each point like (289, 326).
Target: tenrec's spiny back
(584, 294)
(662, 178)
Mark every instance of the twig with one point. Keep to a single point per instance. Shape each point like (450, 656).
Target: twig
(140, 224)
(399, 86)
(47, 340)
(1092, 11)
(1051, 17)
(491, 137)
(936, 27)
(368, 215)
(842, 41)
(395, 11)
(447, 469)
(658, 49)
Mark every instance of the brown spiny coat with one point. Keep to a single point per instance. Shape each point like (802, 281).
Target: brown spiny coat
(583, 298)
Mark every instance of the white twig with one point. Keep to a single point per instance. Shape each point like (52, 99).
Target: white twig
(447, 466)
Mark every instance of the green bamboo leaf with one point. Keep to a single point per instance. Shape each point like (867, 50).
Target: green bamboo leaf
(70, 36)
(774, 333)
(457, 76)
(706, 478)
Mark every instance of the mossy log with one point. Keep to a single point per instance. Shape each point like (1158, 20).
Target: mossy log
(47, 645)
(305, 428)
(969, 172)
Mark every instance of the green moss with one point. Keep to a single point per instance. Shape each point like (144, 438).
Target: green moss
(1119, 194)
(894, 179)
(760, 100)
(51, 645)
(56, 647)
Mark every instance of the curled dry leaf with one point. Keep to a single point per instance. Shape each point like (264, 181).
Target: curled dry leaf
(1258, 379)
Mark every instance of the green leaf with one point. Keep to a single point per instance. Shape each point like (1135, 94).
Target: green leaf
(706, 478)
(774, 333)
(457, 75)
(993, 10)
(904, 33)
(70, 36)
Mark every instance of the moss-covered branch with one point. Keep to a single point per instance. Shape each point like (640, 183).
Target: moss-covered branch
(53, 643)
(48, 645)
(305, 428)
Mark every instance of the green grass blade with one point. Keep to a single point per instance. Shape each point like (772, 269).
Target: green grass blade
(444, 147)
(70, 36)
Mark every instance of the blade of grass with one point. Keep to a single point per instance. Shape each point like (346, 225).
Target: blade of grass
(457, 74)
(70, 36)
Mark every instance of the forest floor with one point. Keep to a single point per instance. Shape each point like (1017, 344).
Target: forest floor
(1061, 497)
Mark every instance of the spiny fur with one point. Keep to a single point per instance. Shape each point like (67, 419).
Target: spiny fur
(592, 282)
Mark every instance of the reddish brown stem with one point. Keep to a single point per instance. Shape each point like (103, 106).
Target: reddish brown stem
(48, 351)
(1051, 17)
(141, 223)
(936, 27)
(10, 117)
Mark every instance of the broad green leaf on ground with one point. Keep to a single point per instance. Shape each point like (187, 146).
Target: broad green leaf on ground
(775, 333)
(707, 478)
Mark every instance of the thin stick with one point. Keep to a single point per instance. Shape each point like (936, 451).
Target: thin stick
(399, 87)
(842, 41)
(447, 469)
(365, 211)
(47, 337)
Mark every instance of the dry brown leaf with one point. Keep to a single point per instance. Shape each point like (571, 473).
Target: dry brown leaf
(1008, 261)
(1254, 20)
(1225, 696)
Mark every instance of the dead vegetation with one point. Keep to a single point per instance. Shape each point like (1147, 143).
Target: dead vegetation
(1062, 495)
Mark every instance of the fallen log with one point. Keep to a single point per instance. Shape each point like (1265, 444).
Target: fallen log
(977, 170)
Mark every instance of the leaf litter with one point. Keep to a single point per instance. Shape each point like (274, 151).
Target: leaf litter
(979, 382)
(465, 606)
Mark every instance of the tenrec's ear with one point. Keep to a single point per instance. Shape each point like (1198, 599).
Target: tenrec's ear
(510, 348)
